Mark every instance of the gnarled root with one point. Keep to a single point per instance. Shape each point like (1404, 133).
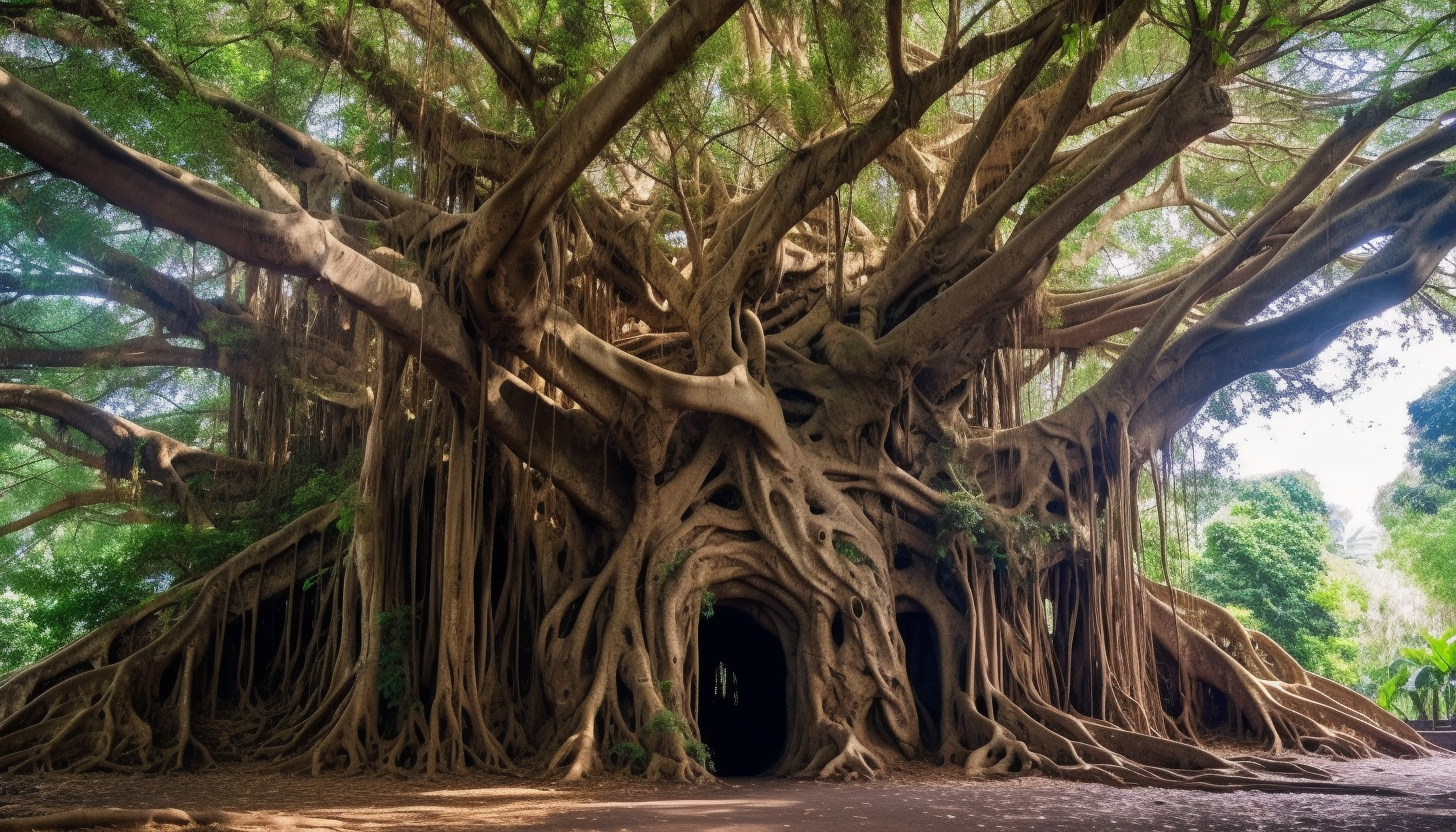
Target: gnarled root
(853, 760)
(90, 818)
(78, 708)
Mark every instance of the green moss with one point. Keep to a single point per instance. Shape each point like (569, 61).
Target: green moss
(991, 532)
(851, 552)
(667, 721)
(667, 570)
(628, 755)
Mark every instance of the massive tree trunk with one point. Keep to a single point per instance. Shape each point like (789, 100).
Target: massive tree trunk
(576, 446)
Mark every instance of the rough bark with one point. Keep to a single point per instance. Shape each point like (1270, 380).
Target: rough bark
(573, 433)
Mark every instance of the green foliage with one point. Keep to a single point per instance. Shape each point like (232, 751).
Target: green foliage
(396, 633)
(1419, 509)
(1266, 559)
(66, 576)
(668, 721)
(58, 592)
(1421, 682)
(991, 532)
(851, 552)
(629, 755)
(325, 486)
(705, 604)
(963, 513)
(667, 570)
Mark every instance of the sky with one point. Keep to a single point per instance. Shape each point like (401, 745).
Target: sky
(1354, 446)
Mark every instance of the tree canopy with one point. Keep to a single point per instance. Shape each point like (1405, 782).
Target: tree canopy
(438, 365)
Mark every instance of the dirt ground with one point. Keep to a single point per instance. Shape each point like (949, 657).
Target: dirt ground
(911, 798)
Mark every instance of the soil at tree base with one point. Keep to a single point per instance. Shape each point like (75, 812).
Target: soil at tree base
(913, 797)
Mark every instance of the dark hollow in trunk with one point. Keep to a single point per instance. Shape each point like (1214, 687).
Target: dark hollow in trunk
(922, 665)
(743, 709)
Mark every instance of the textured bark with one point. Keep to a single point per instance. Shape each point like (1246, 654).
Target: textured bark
(576, 437)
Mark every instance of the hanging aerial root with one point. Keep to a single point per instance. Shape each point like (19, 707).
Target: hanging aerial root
(1289, 707)
(76, 709)
(990, 732)
(1058, 744)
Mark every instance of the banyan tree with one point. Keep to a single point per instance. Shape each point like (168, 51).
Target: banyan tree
(817, 352)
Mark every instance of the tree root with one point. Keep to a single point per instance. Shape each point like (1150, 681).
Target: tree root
(88, 818)
(77, 709)
(853, 761)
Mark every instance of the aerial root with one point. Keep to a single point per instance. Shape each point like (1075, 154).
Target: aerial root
(1002, 754)
(666, 768)
(844, 757)
(89, 818)
(581, 749)
(1033, 736)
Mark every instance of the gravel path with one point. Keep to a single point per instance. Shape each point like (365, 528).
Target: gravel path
(912, 798)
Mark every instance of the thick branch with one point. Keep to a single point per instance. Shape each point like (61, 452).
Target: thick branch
(1325, 160)
(1192, 110)
(432, 124)
(146, 351)
(1227, 351)
(128, 445)
(519, 209)
(60, 139)
(74, 500)
(513, 69)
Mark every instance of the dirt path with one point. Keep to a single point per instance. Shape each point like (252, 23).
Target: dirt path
(915, 798)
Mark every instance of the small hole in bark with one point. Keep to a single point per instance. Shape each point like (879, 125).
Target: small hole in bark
(856, 607)
(823, 536)
(1056, 507)
(815, 508)
(797, 405)
(568, 618)
(1170, 689)
(870, 436)
(743, 683)
(815, 437)
(728, 497)
(659, 478)
(718, 468)
(836, 629)
(949, 584)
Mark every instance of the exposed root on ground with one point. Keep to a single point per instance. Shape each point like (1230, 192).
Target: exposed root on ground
(90, 818)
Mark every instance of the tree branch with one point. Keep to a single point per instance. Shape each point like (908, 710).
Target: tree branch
(513, 71)
(146, 351)
(129, 446)
(519, 209)
(60, 139)
(74, 500)
(1226, 351)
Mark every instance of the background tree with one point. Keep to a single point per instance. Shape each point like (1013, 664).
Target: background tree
(1419, 509)
(619, 306)
(1266, 562)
